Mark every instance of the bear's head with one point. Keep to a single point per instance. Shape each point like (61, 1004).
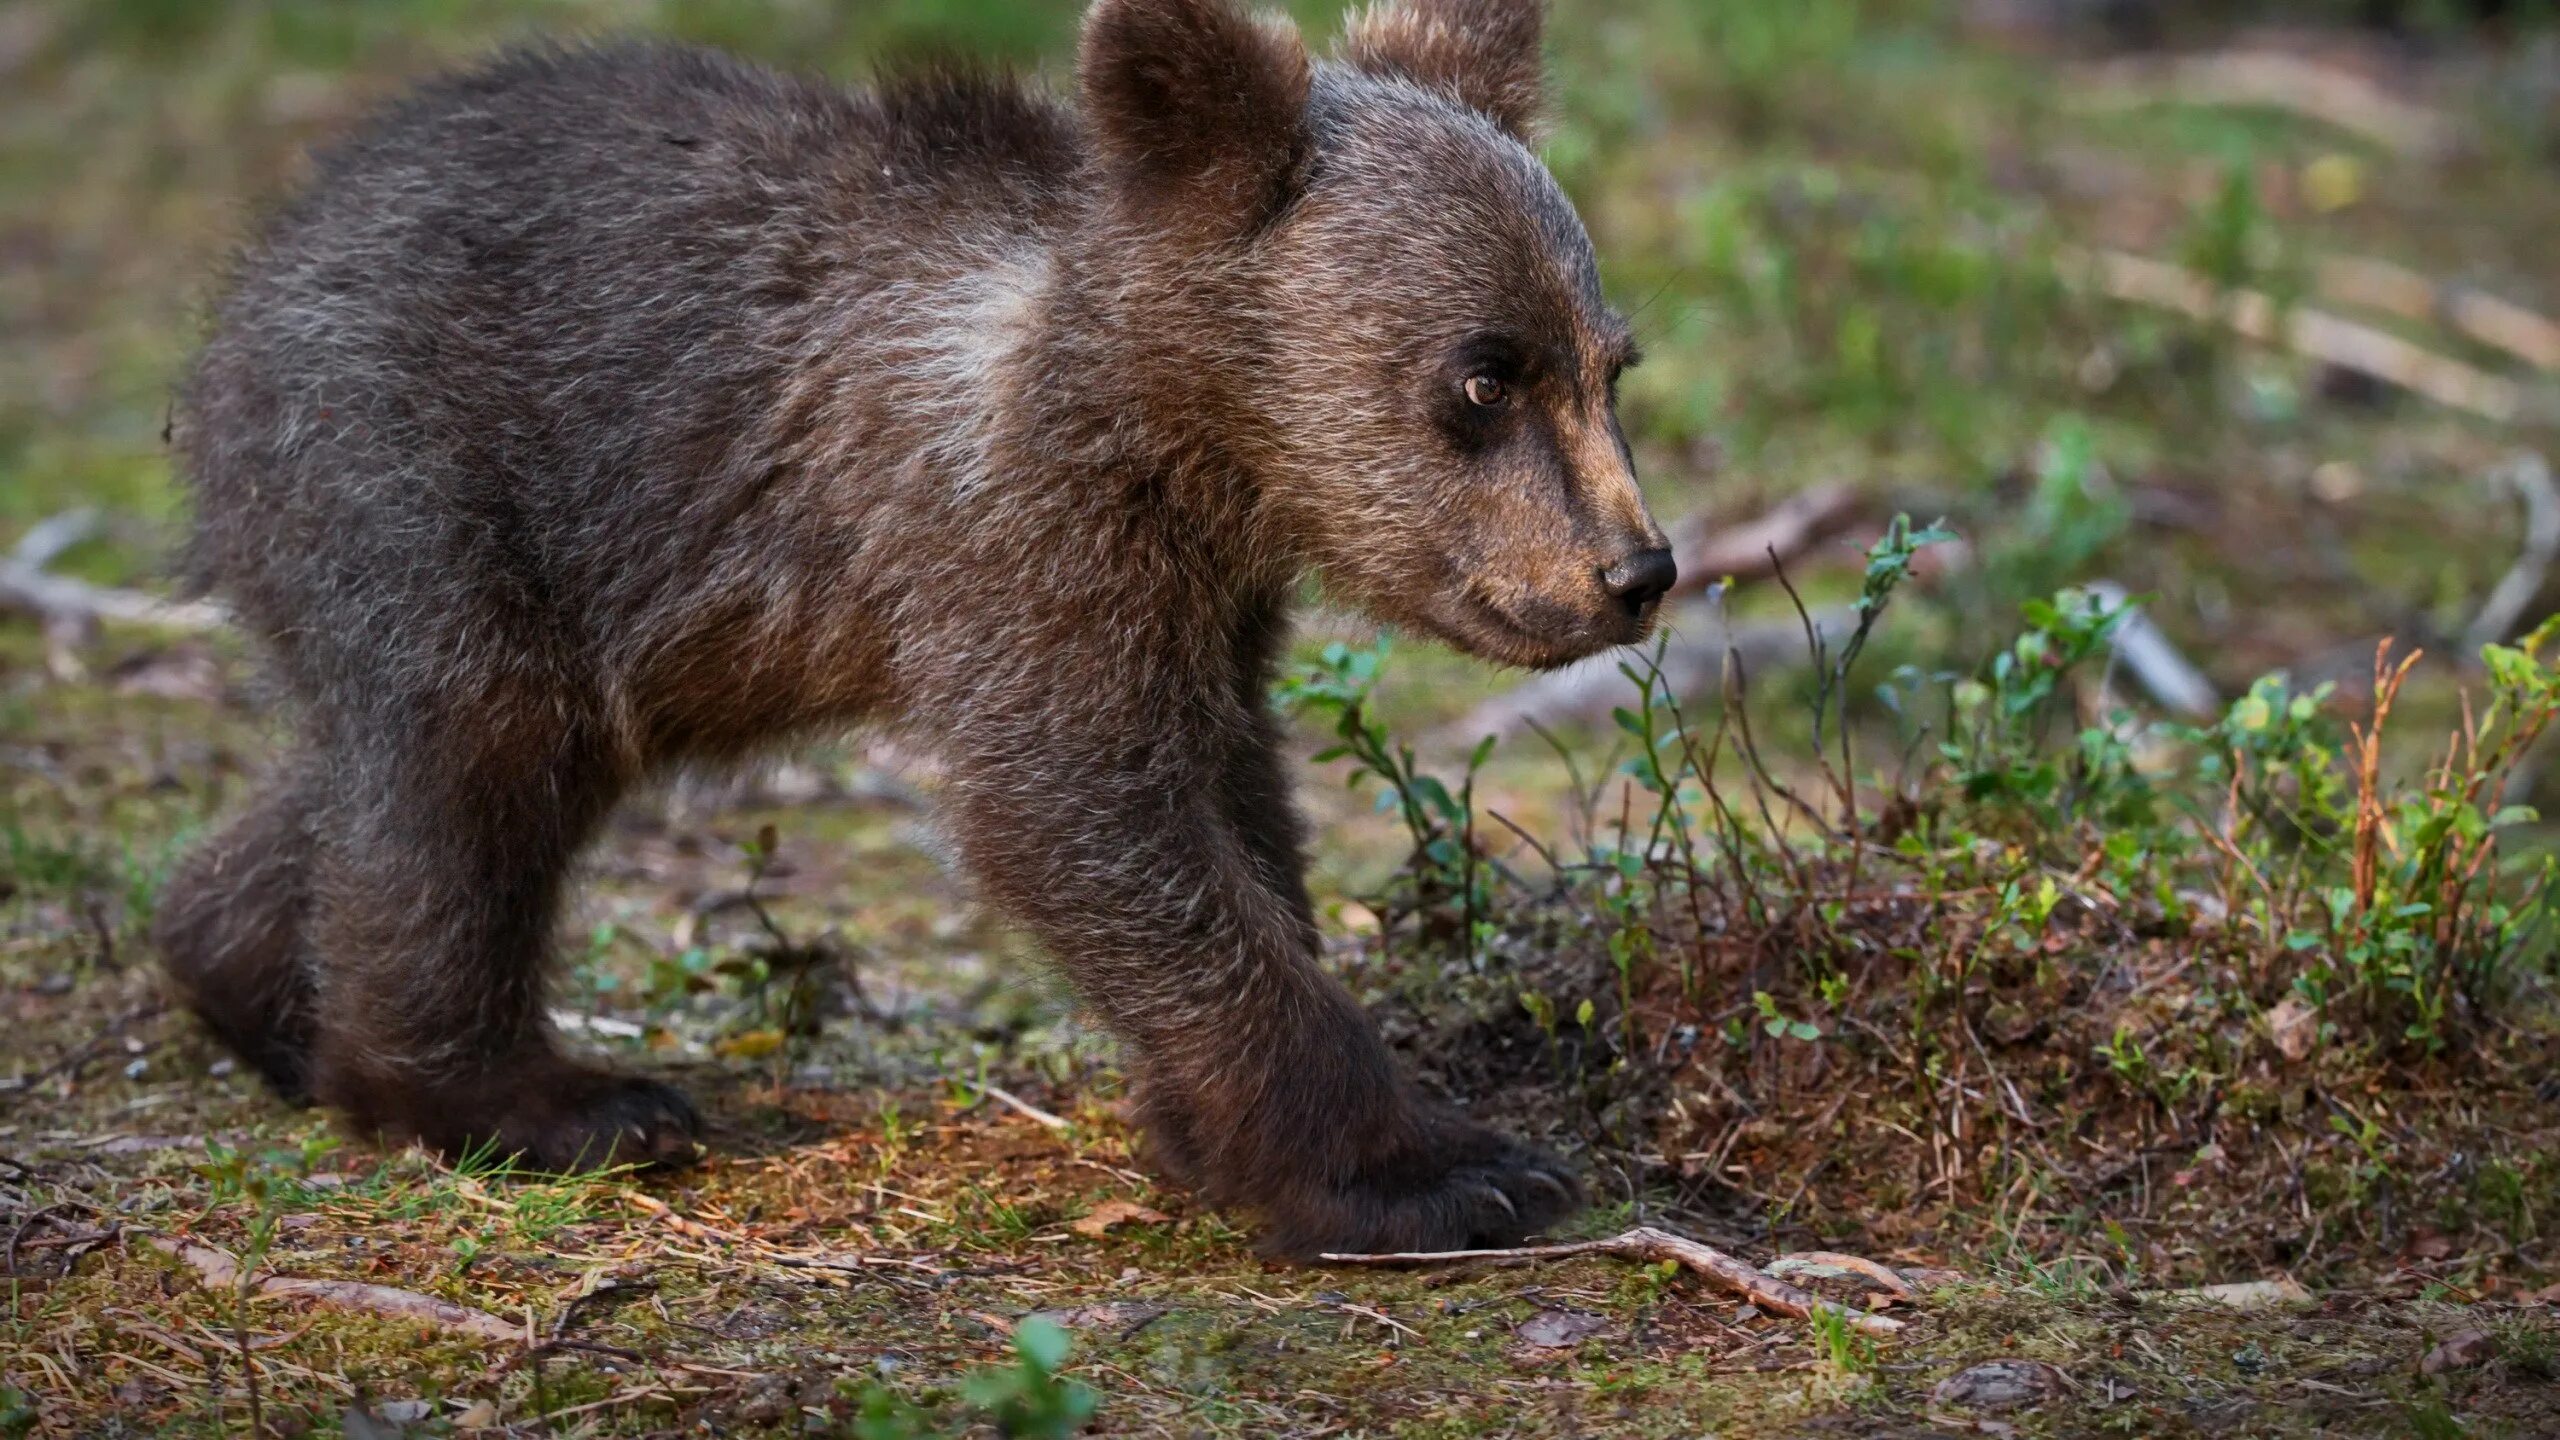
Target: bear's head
(1399, 323)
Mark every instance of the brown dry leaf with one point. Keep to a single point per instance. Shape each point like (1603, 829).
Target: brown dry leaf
(2242, 1295)
(1999, 1385)
(2293, 1025)
(1116, 1212)
(1831, 1264)
(1560, 1329)
(752, 1045)
(2461, 1350)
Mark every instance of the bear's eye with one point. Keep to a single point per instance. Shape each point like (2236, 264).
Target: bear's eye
(1487, 391)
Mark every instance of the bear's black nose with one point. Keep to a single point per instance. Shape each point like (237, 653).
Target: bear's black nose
(1640, 579)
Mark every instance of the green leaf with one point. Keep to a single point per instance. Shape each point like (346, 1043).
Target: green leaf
(1042, 1342)
(1437, 796)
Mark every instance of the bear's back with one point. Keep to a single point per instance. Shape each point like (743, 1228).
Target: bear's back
(529, 322)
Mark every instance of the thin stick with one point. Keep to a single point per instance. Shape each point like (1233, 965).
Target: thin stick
(1647, 1245)
(998, 1092)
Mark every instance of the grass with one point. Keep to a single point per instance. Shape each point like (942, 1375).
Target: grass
(1938, 946)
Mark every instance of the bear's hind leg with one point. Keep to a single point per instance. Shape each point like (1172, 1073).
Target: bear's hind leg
(436, 899)
(229, 928)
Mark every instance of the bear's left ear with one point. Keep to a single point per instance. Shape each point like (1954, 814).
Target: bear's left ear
(1482, 53)
(1199, 111)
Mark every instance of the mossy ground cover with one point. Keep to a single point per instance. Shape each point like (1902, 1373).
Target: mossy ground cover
(2053, 1012)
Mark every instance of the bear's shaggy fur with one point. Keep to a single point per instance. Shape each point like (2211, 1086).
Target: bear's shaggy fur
(608, 408)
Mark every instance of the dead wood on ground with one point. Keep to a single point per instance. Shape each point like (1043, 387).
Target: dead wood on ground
(221, 1271)
(1649, 1246)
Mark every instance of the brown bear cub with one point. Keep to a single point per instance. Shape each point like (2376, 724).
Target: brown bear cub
(609, 408)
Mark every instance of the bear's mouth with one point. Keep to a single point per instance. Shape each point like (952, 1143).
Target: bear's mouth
(1489, 630)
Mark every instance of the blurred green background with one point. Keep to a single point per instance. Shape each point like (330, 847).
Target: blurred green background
(1848, 230)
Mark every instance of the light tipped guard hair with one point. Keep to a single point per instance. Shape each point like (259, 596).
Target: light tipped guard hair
(1484, 54)
(1198, 111)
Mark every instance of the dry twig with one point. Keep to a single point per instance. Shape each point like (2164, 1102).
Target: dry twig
(1025, 1108)
(1649, 1246)
(2367, 749)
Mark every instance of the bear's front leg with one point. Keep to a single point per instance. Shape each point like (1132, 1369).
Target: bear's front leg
(1261, 1082)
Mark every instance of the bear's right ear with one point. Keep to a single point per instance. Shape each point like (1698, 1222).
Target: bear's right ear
(1482, 53)
(1199, 112)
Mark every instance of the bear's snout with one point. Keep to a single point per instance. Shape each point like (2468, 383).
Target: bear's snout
(1639, 581)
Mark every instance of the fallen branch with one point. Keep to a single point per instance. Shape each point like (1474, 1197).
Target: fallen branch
(2313, 334)
(1649, 1246)
(2499, 324)
(48, 539)
(2154, 660)
(1699, 635)
(1755, 548)
(28, 587)
(1697, 638)
(2529, 475)
(221, 1272)
(2270, 80)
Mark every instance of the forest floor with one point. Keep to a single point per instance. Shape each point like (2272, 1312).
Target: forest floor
(881, 1203)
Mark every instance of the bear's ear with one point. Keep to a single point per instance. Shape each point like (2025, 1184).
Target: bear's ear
(1482, 53)
(1199, 111)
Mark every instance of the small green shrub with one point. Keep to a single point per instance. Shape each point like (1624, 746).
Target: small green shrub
(1444, 884)
(1026, 1399)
